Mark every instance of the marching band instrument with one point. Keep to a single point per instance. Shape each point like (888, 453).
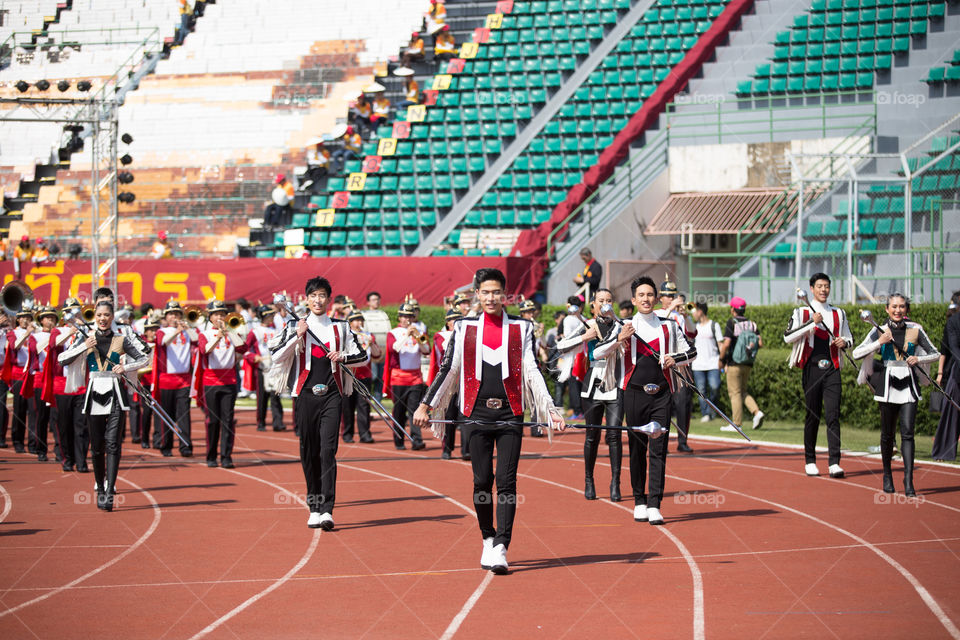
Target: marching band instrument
(88, 312)
(419, 337)
(234, 321)
(193, 315)
(14, 295)
(691, 306)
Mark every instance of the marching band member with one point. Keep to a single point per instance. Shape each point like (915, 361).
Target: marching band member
(141, 412)
(216, 374)
(817, 338)
(69, 423)
(901, 345)
(441, 342)
(13, 373)
(171, 377)
(650, 347)
(258, 355)
(528, 311)
(314, 373)
(33, 384)
(104, 399)
(357, 407)
(599, 400)
(402, 376)
(4, 385)
(673, 307)
(491, 363)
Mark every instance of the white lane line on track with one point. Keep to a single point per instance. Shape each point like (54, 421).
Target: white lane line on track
(909, 577)
(7, 503)
(699, 624)
(130, 549)
(314, 541)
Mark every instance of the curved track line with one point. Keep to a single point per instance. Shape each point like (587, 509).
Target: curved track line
(279, 581)
(7, 503)
(919, 588)
(699, 625)
(105, 565)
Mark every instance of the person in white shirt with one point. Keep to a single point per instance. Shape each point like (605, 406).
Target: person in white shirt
(573, 324)
(172, 376)
(314, 372)
(403, 376)
(673, 308)
(40, 415)
(706, 368)
(377, 322)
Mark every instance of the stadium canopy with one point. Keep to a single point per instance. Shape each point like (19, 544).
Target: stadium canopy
(727, 212)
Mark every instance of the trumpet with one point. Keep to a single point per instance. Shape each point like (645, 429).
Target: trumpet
(87, 313)
(233, 321)
(193, 315)
(419, 337)
(691, 306)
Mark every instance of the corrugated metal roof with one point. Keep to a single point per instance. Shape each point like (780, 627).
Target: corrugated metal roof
(745, 210)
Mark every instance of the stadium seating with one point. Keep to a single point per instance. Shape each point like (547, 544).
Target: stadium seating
(950, 73)
(840, 45)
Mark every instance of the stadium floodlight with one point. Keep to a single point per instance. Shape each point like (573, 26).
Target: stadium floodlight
(126, 138)
(125, 177)
(42, 85)
(22, 86)
(63, 85)
(84, 85)
(126, 159)
(126, 197)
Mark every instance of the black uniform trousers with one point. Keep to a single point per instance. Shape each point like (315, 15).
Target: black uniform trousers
(593, 413)
(176, 402)
(71, 423)
(21, 410)
(821, 392)
(450, 430)
(406, 399)
(39, 424)
(639, 408)
(105, 444)
(506, 439)
(220, 401)
(141, 417)
(682, 409)
(4, 413)
(263, 399)
(318, 424)
(356, 411)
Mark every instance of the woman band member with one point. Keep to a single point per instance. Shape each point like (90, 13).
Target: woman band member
(105, 398)
(313, 371)
(901, 345)
(945, 440)
(69, 423)
(490, 364)
(19, 340)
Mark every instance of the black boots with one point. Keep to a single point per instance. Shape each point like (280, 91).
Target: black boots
(906, 447)
(886, 455)
(616, 458)
(107, 480)
(590, 447)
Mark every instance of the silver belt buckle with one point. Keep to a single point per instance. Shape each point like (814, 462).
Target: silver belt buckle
(319, 389)
(824, 364)
(651, 389)
(494, 403)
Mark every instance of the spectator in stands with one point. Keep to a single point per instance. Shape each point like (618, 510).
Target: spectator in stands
(626, 309)
(706, 368)
(41, 253)
(186, 14)
(360, 113)
(591, 271)
(411, 93)
(444, 46)
(436, 17)
(198, 7)
(381, 111)
(3, 248)
(352, 143)
(22, 253)
(318, 165)
(279, 211)
(739, 363)
(412, 53)
(161, 248)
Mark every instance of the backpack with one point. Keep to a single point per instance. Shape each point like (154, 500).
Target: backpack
(748, 343)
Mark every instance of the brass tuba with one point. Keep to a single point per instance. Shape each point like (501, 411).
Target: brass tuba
(14, 295)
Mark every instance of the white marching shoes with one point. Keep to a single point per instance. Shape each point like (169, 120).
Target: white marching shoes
(640, 513)
(487, 558)
(836, 471)
(653, 515)
(499, 565)
(326, 521)
(314, 520)
(811, 469)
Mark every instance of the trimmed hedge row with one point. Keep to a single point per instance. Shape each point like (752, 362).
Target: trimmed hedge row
(774, 385)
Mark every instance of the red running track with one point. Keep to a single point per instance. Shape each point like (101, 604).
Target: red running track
(751, 548)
